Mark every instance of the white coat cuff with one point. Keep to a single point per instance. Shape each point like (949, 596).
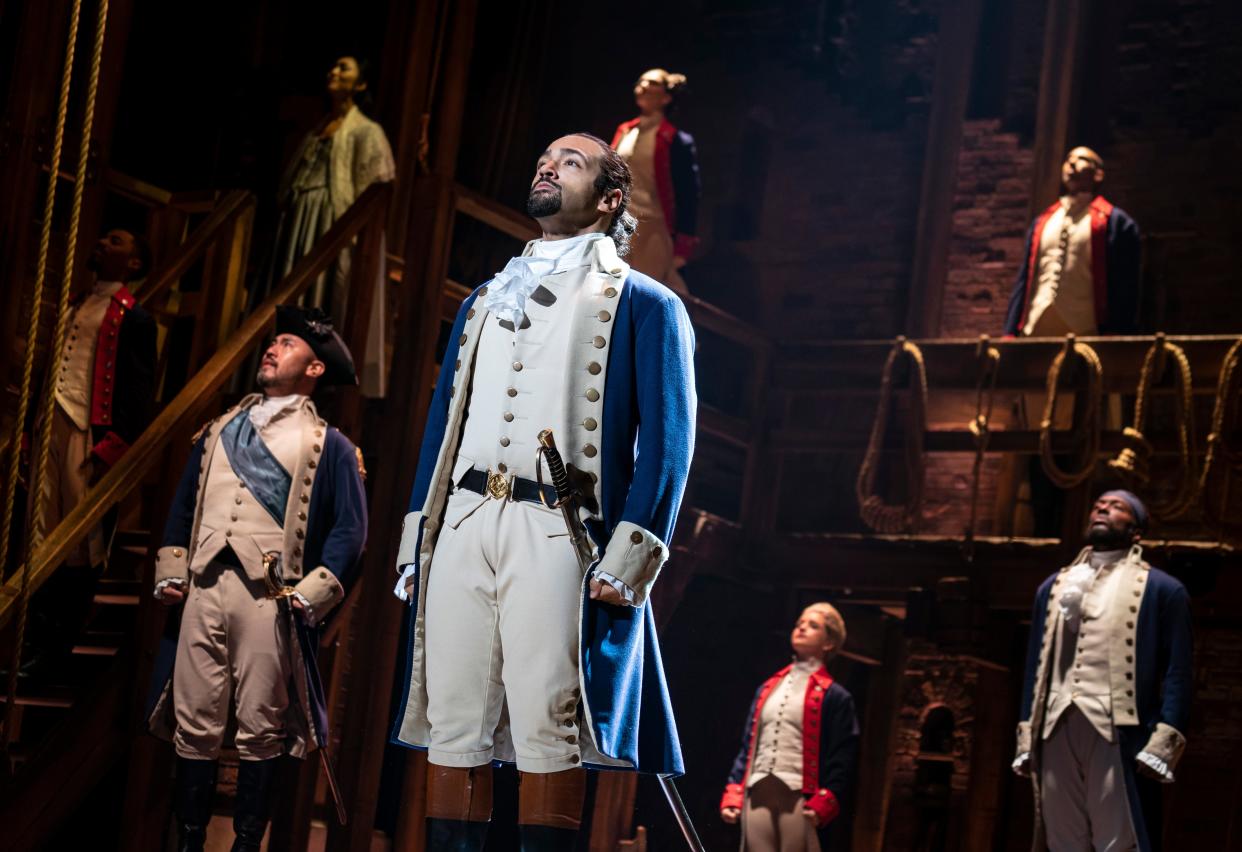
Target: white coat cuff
(321, 590)
(627, 594)
(1165, 745)
(172, 563)
(1021, 765)
(308, 611)
(634, 557)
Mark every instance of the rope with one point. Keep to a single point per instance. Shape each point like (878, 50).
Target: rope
(1091, 421)
(1220, 456)
(985, 392)
(44, 444)
(874, 511)
(1134, 461)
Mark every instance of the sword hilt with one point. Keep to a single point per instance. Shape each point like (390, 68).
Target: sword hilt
(556, 466)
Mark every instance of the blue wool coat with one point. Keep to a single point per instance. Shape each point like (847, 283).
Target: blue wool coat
(646, 442)
(1163, 685)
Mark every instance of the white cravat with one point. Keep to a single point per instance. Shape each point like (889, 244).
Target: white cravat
(506, 295)
(262, 413)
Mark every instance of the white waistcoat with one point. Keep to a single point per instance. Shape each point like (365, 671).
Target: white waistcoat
(519, 384)
(779, 748)
(231, 515)
(1064, 290)
(1080, 673)
(77, 364)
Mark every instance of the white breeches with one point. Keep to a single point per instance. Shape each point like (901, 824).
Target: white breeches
(1083, 789)
(501, 622)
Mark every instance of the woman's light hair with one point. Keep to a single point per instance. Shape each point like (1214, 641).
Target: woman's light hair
(834, 625)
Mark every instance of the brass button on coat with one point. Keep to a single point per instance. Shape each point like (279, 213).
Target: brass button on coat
(592, 394)
(301, 516)
(590, 424)
(517, 366)
(604, 316)
(594, 368)
(589, 451)
(599, 342)
(300, 533)
(504, 442)
(470, 314)
(461, 341)
(508, 416)
(512, 391)
(636, 537)
(611, 292)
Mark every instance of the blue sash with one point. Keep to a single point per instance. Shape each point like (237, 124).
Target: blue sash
(255, 465)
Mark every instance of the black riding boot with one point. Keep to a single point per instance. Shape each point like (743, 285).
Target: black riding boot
(545, 838)
(455, 835)
(254, 803)
(195, 786)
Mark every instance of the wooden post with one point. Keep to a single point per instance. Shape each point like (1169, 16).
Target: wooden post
(366, 718)
(959, 30)
(875, 761)
(1059, 87)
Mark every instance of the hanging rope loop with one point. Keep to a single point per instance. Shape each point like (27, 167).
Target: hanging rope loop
(1091, 419)
(1222, 463)
(1133, 463)
(875, 512)
(988, 357)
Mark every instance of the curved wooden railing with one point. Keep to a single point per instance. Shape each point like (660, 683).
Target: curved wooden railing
(365, 220)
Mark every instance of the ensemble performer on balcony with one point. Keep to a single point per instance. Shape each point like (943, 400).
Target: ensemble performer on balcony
(795, 769)
(1107, 692)
(1080, 272)
(265, 531)
(336, 161)
(665, 169)
(103, 385)
(516, 653)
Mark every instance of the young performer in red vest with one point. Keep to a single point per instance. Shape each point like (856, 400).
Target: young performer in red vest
(795, 768)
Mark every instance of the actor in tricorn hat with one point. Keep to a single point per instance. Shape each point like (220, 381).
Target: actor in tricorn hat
(263, 536)
(1107, 692)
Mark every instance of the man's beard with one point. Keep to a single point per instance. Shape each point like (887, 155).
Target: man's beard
(543, 203)
(264, 381)
(1108, 538)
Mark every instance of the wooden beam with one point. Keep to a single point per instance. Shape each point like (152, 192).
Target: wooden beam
(1060, 73)
(876, 749)
(955, 55)
(427, 241)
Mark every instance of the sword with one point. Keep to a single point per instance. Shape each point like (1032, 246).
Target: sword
(274, 581)
(567, 502)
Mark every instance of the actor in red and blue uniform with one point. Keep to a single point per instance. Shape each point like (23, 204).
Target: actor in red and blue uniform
(795, 768)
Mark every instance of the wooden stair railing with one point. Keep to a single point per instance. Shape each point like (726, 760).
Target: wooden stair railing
(184, 410)
(35, 806)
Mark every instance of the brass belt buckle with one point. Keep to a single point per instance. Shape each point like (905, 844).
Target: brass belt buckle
(497, 485)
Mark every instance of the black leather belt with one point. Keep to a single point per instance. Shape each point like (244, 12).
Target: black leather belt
(503, 487)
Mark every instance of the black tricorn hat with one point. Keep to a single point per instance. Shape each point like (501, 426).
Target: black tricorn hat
(315, 327)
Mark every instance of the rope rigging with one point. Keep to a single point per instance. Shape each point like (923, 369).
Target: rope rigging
(882, 516)
(1091, 419)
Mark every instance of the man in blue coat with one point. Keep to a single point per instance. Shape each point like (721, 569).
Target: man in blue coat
(1080, 272)
(265, 531)
(515, 654)
(1109, 679)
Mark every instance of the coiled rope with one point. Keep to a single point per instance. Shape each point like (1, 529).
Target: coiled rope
(62, 316)
(1091, 420)
(985, 392)
(1222, 462)
(875, 512)
(1134, 461)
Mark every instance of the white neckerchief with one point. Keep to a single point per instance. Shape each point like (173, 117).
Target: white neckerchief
(1078, 581)
(262, 412)
(506, 295)
(807, 667)
(105, 289)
